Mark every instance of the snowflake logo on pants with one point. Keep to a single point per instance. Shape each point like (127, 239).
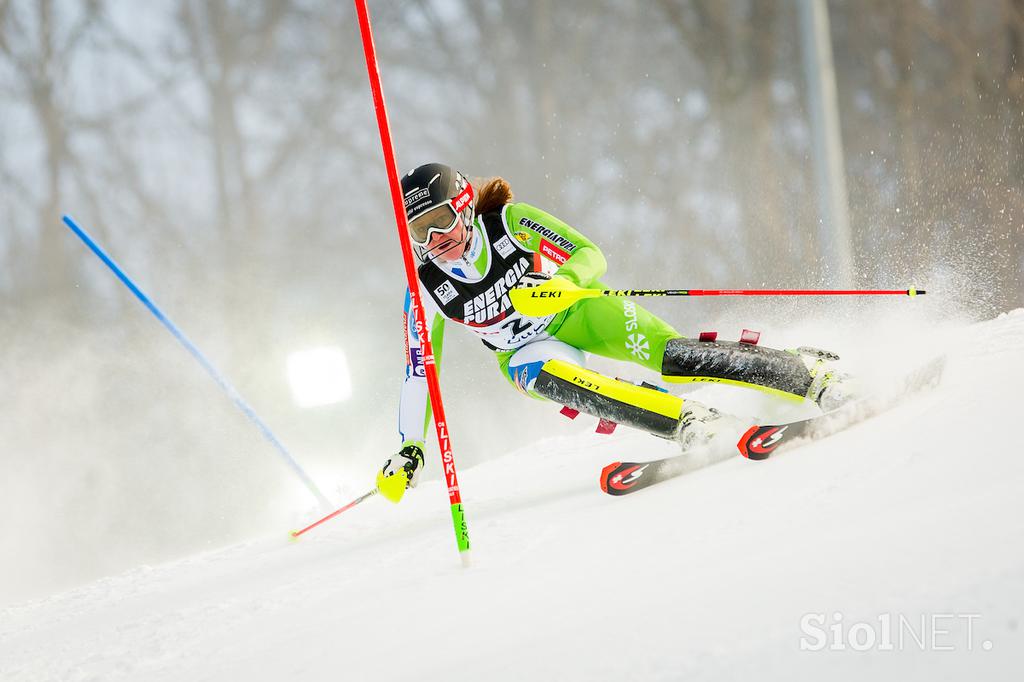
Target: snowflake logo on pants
(638, 346)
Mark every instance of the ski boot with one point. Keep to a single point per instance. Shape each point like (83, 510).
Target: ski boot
(830, 388)
(697, 425)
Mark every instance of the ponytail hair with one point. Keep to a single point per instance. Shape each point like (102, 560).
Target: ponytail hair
(494, 194)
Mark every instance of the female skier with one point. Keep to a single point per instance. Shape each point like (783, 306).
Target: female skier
(474, 247)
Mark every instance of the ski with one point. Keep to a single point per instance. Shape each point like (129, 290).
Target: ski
(761, 440)
(620, 478)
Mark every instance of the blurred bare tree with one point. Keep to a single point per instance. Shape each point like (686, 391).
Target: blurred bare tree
(39, 49)
(933, 121)
(684, 125)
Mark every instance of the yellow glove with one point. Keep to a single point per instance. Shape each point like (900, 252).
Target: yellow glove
(400, 472)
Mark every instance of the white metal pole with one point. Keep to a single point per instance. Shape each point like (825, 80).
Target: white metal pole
(827, 145)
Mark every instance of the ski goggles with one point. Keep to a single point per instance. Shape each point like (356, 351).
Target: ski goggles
(440, 219)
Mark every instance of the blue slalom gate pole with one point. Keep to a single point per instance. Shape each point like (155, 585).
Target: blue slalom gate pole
(236, 398)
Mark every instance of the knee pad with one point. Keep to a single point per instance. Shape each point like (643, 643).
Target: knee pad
(525, 364)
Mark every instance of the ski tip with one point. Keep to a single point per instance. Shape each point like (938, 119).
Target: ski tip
(760, 441)
(606, 473)
(741, 445)
(293, 536)
(620, 478)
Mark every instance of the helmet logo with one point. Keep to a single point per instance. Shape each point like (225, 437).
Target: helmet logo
(415, 196)
(463, 198)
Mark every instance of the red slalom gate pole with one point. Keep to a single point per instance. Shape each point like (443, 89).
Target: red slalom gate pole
(434, 387)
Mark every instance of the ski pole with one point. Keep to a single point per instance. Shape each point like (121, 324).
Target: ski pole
(559, 293)
(201, 359)
(296, 533)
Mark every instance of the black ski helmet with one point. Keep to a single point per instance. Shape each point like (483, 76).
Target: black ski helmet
(428, 187)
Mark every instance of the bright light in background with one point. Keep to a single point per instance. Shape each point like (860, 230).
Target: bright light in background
(319, 376)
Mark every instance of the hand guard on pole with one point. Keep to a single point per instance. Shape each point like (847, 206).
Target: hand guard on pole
(401, 471)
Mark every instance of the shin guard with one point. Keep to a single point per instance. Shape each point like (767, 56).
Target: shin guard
(728, 362)
(617, 401)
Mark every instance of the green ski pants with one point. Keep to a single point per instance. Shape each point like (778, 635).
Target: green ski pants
(608, 326)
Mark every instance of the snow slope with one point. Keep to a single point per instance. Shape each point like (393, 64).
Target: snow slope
(916, 514)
